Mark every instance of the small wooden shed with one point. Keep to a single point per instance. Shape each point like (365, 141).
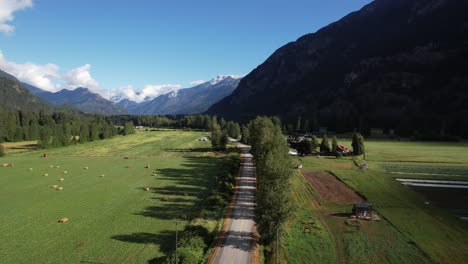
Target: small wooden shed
(363, 210)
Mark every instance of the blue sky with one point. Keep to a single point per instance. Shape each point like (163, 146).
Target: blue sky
(142, 42)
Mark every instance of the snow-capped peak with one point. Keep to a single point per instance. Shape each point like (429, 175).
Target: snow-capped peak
(220, 78)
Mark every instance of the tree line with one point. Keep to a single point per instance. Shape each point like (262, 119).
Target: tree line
(58, 128)
(273, 172)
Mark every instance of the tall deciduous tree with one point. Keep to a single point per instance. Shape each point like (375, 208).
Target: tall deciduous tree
(245, 135)
(273, 168)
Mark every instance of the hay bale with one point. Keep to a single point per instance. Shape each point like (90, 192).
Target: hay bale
(51, 166)
(102, 175)
(30, 169)
(45, 174)
(154, 174)
(146, 189)
(58, 167)
(63, 220)
(61, 179)
(129, 166)
(5, 165)
(59, 189)
(11, 165)
(86, 168)
(147, 166)
(65, 172)
(54, 186)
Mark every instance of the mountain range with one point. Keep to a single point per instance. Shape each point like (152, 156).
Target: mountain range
(81, 98)
(192, 100)
(185, 101)
(15, 96)
(394, 64)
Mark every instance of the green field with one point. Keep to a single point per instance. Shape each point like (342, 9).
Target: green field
(410, 232)
(112, 219)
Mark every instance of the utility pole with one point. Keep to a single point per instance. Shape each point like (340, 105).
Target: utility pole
(277, 240)
(176, 233)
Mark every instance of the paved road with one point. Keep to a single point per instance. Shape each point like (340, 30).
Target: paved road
(238, 242)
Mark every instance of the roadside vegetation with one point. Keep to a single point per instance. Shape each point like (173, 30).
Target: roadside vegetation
(273, 172)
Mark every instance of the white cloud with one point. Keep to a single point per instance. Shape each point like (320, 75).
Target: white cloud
(197, 82)
(7, 8)
(81, 77)
(42, 76)
(148, 92)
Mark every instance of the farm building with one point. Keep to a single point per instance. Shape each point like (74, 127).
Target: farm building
(363, 210)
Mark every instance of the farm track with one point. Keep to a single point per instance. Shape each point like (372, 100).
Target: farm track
(240, 237)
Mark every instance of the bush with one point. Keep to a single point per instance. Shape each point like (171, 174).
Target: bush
(305, 147)
(2, 151)
(190, 250)
(216, 201)
(339, 155)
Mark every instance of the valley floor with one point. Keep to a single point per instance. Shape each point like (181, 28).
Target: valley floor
(415, 226)
(112, 219)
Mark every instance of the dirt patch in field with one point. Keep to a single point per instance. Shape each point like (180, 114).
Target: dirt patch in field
(331, 189)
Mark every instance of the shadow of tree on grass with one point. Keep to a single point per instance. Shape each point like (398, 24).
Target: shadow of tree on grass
(195, 178)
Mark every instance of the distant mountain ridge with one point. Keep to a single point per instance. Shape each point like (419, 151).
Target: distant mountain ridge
(192, 100)
(14, 96)
(394, 64)
(82, 98)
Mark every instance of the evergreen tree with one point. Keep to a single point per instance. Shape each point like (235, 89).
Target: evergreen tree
(298, 124)
(314, 142)
(358, 144)
(93, 132)
(245, 135)
(44, 138)
(233, 130)
(307, 126)
(84, 133)
(129, 128)
(223, 123)
(334, 144)
(224, 141)
(324, 145)
(216, 135)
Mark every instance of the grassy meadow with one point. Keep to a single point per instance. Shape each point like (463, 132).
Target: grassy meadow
(410, 231)
(112, 219)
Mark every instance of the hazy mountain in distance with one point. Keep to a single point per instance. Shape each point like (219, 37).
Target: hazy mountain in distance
(81, 98)
(185, 101)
